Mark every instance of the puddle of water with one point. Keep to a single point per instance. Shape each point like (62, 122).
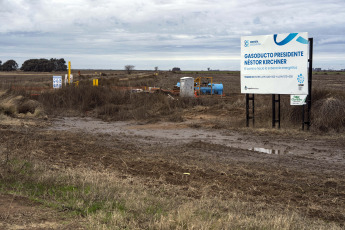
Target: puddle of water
(264, 150)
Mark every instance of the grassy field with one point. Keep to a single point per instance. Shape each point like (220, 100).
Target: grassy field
(102, 158)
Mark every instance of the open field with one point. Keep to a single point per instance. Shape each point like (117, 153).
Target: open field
(95, 158)
(230, 79)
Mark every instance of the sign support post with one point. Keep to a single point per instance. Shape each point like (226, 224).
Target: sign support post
(275, 119)
(310, 76)
(248, 117)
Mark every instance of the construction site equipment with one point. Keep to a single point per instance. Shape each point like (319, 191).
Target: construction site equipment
(187, 87)
(211, 89)
(205, 86)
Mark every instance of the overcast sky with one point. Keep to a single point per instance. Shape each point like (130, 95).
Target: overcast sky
(190, 34)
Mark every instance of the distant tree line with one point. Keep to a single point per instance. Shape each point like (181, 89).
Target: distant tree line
(9, 65)
(44, 65)
(36, 65)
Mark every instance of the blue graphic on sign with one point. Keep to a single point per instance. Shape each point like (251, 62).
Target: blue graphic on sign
(300, 78)
(289, 38)
(246, 43)
(302, 40)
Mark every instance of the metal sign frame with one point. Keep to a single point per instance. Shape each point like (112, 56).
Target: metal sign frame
(276, 114)
(310, 79)
(275, 102)
(248, 116)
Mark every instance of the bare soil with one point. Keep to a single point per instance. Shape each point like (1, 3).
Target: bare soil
(300, 172)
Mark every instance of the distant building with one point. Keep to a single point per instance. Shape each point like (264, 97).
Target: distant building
(176, 69)
(317, 69)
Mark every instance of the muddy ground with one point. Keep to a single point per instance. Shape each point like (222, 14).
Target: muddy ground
(296, 171)
(283, 169)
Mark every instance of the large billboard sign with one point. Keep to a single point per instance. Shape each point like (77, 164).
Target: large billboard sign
(275, 64)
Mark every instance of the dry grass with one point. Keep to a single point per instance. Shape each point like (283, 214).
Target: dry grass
(14, 104)
(109, 200)
(330, 115)
(110, 104)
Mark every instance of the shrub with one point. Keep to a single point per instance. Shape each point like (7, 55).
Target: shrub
(329, 114)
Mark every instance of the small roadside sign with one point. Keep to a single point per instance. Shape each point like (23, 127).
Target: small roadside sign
(57, 82)
(298, 99)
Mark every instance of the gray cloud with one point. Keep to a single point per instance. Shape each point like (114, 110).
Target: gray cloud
(106, 34)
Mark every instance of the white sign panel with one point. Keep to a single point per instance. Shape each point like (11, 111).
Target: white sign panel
(57, 82)
(70, 78)
(275, 64)
(298, 99)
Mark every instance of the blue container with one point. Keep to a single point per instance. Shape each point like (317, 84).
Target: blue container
(216, 88)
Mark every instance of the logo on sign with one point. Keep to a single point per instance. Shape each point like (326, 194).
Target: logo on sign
(300, 78)
(289, 38)
(246, 43)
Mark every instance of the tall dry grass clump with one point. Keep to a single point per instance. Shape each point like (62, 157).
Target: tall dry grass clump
(14, 104)
(329, 114)
(328, 110)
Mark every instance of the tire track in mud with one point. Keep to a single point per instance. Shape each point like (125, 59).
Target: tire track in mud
(170, 134)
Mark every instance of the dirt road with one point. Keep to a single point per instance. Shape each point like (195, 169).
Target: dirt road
(315, 152)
